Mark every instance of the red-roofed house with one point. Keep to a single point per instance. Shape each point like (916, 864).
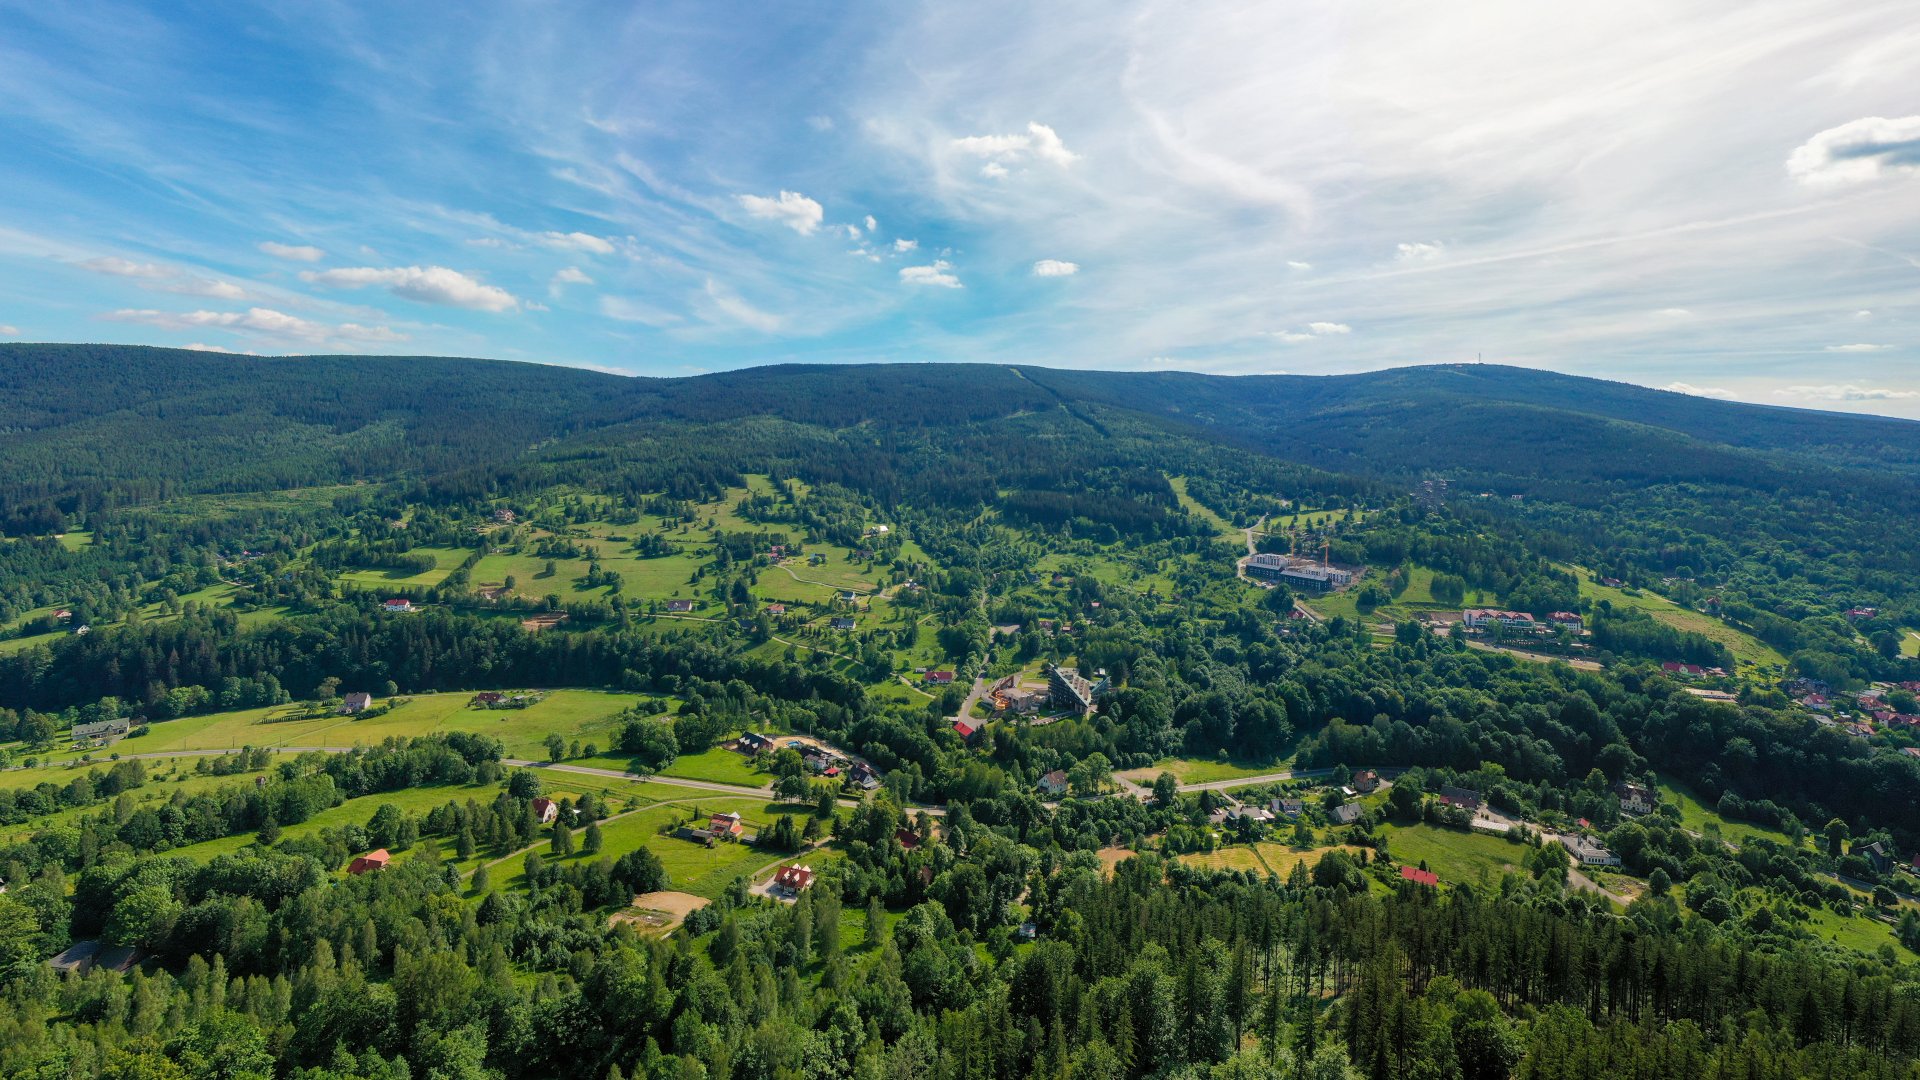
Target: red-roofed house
(1419, 876)
(908, 838)
(546, 810)
(1689, 670)
(372, 860)
(939, 678)
(792, 879)
(397, 604)
(727, 825)
(1568, 619)
(966, 728)
(776, 609)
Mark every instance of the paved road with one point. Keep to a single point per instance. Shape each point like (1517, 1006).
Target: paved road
(966, 707)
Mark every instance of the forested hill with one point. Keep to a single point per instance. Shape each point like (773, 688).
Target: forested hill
(89, 426)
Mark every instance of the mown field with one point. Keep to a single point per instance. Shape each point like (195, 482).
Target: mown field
(586, 715)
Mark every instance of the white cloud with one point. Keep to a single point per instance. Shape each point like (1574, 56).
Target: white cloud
(1038, 143)
(165, 278)
(258, 320)
(871, 224)
(577, 241)
(1864, 149)
(296, 252)
(1418, 252)
(1674, 313)
(635, 311)
(1846, 392)
(740, 311)
(1863, 313)
(201, 346)
(572, 275)
(9, 330)
(1055, 268)
(425, 284)
(1313, 330)
(1857, 347)
(1294, 264)
(853, 232)
(930, 275)
(1697, 391)
(903, 244)
(118, 267)
(789, 208)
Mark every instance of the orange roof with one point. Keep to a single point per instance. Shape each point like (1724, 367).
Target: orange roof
(1423, 877)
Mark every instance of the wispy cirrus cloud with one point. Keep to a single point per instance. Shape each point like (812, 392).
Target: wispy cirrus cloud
(422, 284)
(577, 241)
(296, 252)
(164, 278)
(263, 321)
(1846, 392)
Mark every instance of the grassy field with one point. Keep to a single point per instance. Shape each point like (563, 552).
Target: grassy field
(574, 714)
(445, 560)
(1454, 855)
(718, 765)
(1747, 649)
(1203, 770)
(1196, 508)
(166, 778)
(1234, 857)
(1910, 643)
(1696, 816)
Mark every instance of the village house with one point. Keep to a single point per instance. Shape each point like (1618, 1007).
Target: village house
(85, 956)
(371, 861)
(1346, 813)
(752, 743)
(1287, 808)
(358, 701)
(398, 604)
(725, 826)
(938, 678)
(776, 609)
(1876, 856)
(1566, 620)
(966, 728)
(1634, 798)
(1419, 876)
(1588, 852)
(907, 838)
(504, 516)
(1365, 781)
(791, 880)
(1463, 798)
(680, 605)
(545, 810)
(102, 731)
(841, 623)
(863, 775)
(1053, 783)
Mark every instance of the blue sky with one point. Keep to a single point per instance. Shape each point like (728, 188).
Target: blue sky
(1722, 198)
